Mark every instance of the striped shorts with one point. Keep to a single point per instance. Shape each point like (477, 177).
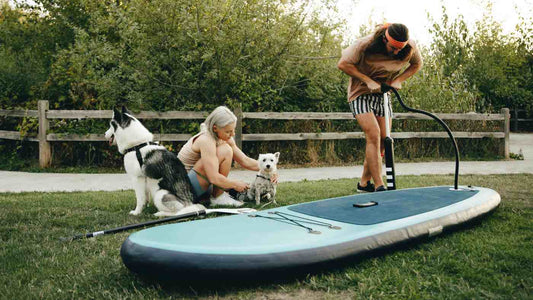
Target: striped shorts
(369, 103)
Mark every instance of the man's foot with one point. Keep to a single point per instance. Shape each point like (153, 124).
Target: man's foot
(225, 199)
(381, 188)
(368, 188)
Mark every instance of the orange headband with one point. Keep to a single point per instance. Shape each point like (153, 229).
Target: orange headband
(392, 41)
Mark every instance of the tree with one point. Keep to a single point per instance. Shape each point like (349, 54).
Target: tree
(199, 54)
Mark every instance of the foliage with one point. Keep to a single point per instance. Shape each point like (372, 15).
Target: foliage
(496, 68)
(195, 55)
(266, 55)
(433, 90)
(26, 47)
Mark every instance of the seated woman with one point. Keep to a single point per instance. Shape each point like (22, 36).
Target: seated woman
(208, 156)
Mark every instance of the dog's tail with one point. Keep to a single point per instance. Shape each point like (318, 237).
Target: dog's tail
(185, 210)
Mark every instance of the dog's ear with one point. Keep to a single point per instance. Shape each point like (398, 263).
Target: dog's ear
(276, 155)
(116, 114)
(126, 113)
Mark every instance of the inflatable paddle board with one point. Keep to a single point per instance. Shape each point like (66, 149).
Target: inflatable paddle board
(289, 239)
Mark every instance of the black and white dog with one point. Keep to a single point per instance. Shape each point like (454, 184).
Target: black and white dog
(153, 169)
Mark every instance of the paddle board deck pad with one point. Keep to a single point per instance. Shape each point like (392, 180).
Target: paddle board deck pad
(289, 239)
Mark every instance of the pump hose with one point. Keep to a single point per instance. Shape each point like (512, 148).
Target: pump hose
(385, 88)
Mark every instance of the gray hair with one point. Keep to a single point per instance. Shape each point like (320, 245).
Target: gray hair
(221, 117)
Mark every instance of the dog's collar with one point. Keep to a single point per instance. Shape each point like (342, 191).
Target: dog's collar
(261, 176)
(138, 152)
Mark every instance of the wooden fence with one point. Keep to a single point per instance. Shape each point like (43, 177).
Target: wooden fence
(44, 114)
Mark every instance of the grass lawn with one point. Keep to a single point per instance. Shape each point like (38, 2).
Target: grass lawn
(491, 258)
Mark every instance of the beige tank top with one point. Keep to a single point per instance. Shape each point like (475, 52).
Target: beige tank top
(188, 156)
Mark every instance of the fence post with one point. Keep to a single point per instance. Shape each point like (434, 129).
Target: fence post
(515, 119)
(238, 127)
(45, 153)
(506, 130)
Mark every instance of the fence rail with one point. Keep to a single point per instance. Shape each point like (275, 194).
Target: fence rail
(349, 116)
(44, 114)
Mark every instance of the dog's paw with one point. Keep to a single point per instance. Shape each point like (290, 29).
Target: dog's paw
(237, 204)
(231, 202)
(135, 213)
(166, 214)
(160, 214)
(195, 208)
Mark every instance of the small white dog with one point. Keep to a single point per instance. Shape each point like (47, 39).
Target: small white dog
(263, 187)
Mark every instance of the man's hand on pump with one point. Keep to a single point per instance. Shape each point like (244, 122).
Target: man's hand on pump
(373, 86)
(397, 84)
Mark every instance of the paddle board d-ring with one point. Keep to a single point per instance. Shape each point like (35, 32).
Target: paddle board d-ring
(334, 227)
(314, 231)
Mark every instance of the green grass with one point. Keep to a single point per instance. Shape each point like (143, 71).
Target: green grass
(491, 258)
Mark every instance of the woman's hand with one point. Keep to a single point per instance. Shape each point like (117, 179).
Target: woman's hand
(241, 186)
(274, 178)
